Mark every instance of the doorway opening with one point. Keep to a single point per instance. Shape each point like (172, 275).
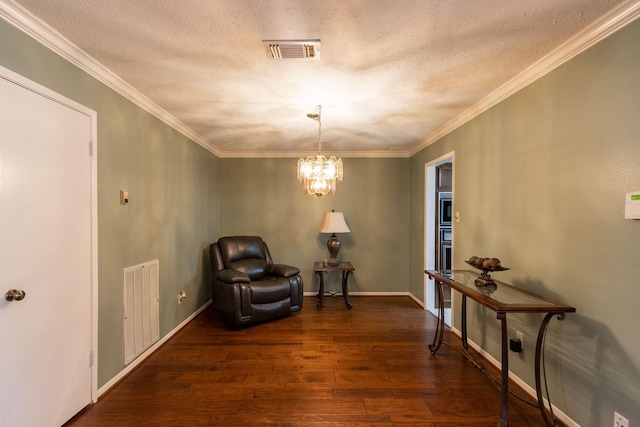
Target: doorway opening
(438, 229)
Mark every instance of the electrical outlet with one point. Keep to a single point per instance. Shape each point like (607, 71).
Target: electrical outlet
(520, 336)
(619, 420)
(181, 296)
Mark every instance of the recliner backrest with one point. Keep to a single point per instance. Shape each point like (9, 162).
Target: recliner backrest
(247, 254)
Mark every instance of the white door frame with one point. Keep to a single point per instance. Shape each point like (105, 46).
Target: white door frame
(429, 227)
(15, 78)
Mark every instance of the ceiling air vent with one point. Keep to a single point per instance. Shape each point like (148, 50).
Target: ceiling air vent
(292, 49)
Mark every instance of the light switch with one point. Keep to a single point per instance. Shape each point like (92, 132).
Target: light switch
(124, 197)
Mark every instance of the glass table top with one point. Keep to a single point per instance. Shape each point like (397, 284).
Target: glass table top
(499, 296)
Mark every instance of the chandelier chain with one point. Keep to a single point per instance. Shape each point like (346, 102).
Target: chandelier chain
(319, 129)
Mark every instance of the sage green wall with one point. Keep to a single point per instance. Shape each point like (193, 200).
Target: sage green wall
(263, 197)
(173, 190)
(540, 182)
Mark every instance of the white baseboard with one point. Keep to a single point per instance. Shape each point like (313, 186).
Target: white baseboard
(130, 367)
(420, 303)
(370, 294)
(529, 390)
(376, 294)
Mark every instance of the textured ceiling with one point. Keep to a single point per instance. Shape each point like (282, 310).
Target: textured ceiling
(391, 74)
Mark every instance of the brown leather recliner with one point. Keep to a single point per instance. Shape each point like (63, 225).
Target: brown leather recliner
(247, 286)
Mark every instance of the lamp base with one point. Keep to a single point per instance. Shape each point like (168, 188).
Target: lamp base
(333, 244)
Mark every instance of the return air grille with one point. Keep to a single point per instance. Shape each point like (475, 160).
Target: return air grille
(141, 311)
(292, 49)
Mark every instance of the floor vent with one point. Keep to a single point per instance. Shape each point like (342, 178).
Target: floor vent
(141, 302)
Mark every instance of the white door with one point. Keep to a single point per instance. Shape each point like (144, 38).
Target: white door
(45, 251)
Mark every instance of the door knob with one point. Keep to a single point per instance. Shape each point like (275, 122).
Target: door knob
(14, 295)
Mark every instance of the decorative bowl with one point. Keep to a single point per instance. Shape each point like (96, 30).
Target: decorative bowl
(488, 269)
(485, 278)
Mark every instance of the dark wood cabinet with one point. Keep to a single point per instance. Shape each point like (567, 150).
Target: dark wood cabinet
(444, 177)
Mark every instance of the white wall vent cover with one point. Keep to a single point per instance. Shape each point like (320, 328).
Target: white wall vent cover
(292, 49)
(141, 300)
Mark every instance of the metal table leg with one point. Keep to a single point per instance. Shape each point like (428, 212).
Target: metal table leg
(437, 340)
(320, 295)
(465, 343)
(549, 422)
(504, 389)
(345, 288)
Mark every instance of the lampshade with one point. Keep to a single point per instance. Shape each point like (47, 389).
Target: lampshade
(333, 222)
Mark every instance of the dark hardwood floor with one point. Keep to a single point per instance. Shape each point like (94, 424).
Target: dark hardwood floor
(369, 366)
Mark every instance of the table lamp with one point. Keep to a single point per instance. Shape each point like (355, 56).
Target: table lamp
(333, 222)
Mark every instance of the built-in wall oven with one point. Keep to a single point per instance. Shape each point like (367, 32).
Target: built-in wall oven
(445, 248)
(445, 211)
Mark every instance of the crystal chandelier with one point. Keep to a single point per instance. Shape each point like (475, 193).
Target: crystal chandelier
(318, 174)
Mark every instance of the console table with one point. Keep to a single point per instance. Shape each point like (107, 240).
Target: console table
(503, 299)
(345, 268)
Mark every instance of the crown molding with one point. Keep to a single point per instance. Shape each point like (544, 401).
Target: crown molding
(22, 19)
(608, 24)
(617, 18)
(291, 154)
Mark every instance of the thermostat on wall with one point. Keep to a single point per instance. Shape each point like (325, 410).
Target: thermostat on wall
(632, 206)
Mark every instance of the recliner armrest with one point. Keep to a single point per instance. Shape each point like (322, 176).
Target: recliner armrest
(282, 270)
(231, 276)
